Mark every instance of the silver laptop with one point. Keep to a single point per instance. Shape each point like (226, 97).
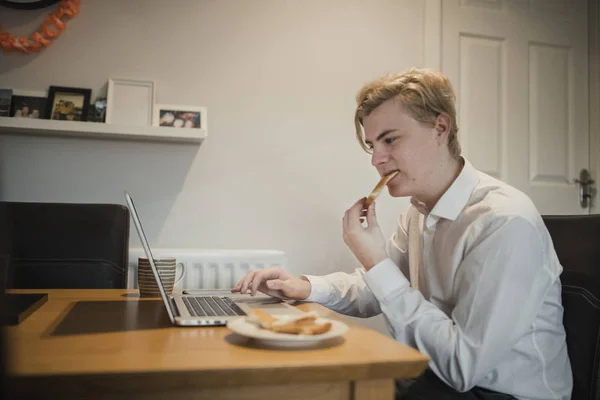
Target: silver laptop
(208, 309)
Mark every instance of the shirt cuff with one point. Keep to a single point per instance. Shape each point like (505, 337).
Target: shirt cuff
(385, 278)
(320, 289)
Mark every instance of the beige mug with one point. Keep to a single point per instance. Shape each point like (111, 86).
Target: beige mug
(167, 270)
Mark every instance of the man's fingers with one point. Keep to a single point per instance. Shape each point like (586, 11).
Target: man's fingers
(246, 281)
(256, 281)
(238, 286)
(371, 216)
(275, 284)
(354, 211)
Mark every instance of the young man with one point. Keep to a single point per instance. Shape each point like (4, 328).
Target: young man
(470, 277)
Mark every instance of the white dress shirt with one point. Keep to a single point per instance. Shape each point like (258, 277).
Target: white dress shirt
(488, 308)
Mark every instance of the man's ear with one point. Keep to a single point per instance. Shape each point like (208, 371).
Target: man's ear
(442, 125)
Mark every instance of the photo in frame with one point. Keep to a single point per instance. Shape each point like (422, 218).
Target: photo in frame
(68, 103)
(5, 101)
(130, 101)
(28, 104)
(180, 116)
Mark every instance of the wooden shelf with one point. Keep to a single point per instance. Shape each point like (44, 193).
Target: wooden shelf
(45, 127)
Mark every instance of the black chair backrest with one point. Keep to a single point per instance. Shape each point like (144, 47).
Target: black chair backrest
(577, 243)
(4, 393)
(66, 245)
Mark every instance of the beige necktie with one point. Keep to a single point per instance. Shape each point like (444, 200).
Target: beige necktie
(414, 246)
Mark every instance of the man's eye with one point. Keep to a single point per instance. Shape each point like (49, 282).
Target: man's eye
(389, 140)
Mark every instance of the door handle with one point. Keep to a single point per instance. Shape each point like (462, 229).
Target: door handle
(586, 190)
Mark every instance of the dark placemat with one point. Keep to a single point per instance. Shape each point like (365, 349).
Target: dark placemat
(87, 317)
(18, 306)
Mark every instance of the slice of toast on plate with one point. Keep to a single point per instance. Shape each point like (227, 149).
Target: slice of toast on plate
(304, 324)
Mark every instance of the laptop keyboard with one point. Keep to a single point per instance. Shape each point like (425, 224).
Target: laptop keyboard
(211, 306)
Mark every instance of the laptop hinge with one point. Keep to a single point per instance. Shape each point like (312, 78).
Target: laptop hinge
(174, 307)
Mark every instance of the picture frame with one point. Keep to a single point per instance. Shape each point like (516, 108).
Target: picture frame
(130, 101)
(180, 116)
(68, 103)
(29, 104)
(5, 102)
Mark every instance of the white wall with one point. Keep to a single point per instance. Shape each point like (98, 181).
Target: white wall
(280, 165)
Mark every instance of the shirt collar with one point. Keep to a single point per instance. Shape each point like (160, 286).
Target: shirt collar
(454, 199)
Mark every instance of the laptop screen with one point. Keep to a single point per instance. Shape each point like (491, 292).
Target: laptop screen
(146, 246)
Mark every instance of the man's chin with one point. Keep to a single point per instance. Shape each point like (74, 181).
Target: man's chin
(398, 192)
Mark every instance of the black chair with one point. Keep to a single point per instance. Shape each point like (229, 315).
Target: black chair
(577, 243)
(66, 245)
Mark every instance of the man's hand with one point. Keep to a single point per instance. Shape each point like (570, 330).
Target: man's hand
(367, 243)
(276, 282)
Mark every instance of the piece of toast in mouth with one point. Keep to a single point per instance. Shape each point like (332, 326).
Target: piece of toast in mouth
(378, 188)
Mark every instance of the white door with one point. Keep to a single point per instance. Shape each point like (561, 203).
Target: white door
(520, 71)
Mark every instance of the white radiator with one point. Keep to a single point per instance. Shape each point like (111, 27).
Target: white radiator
(210, 269)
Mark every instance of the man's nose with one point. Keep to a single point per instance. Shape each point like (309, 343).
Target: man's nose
(378, 158)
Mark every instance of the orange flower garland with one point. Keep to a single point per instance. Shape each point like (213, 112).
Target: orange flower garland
(50, 29)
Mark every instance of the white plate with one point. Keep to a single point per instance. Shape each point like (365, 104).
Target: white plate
(249, 329)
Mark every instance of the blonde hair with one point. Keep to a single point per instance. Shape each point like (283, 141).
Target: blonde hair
(424, 93)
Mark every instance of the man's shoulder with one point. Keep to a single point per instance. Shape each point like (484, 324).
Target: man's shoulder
(495, 200)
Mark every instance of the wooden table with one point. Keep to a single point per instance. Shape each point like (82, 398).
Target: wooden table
(112, 344)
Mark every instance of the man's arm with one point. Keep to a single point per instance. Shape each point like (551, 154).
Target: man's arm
(344, 293)
(348, 293)
(500, 286)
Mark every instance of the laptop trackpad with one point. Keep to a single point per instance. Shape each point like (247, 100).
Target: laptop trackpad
(271, 306)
